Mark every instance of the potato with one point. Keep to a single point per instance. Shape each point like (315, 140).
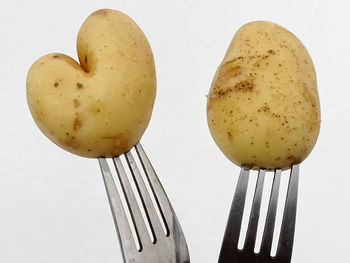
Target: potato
(102, 106)
(263, 108)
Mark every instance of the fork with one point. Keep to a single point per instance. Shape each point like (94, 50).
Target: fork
(165, 246)
(229, 250)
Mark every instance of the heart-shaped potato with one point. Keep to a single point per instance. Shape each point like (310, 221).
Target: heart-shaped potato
(102, 106)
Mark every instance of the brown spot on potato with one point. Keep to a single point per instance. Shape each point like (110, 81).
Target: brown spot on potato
(100, 12)
(244, 86)
(110, 137)
(55, 56)
(79, 85)
(229, 134)
(77, 124)
(291, 157)
(76, 103)
(264, 108)
(85, 59)
(272, 52)
(70, 143)
(56, 84)
(229, 70)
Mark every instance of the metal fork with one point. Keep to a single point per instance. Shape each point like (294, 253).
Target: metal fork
(164, 246)
(229, 251)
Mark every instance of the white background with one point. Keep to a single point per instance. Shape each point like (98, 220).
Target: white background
(53, 206)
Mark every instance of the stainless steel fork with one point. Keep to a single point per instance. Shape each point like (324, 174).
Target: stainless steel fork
(166, 246)
(229, 250)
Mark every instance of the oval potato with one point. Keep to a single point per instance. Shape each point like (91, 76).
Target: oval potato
(263, 107)
(102, 106)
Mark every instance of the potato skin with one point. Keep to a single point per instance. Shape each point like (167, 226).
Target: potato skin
(102, 106)
(263, 107)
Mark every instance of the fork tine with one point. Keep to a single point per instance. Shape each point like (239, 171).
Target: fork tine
(150, 211)
(119, 217)
(234, 222)
(159, 194)
(139, 223)
(271, 215)
(285, 244)
(255, 212)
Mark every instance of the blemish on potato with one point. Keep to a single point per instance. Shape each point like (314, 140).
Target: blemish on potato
(76, 103)
(56, 84)
(101, 12)
(70, 143)
(290, 157)
(55, 56)
(229, 70)
(79, 85)
(244, 86)
(77, 124)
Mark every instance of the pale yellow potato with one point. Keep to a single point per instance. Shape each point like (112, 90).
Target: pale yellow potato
(263, 107)
(102, 106)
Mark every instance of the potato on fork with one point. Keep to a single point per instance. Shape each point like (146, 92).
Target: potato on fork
(263, 113)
